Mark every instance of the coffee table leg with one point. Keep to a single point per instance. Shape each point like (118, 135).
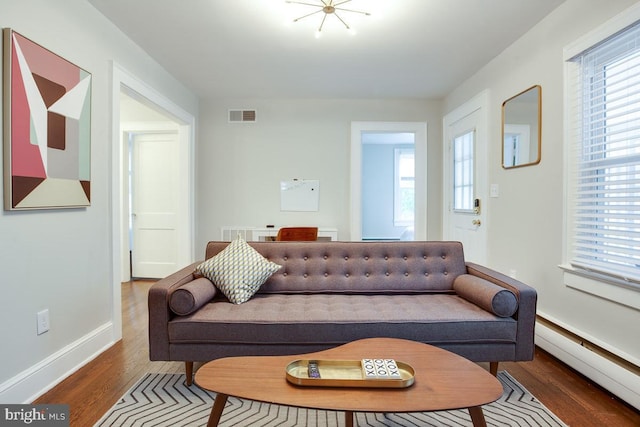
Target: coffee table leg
(477, 416)
(348, 418)
(216, 411)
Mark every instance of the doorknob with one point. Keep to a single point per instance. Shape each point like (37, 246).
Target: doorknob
(476, 222)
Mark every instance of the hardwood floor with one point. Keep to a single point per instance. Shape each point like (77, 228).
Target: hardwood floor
(97, 386)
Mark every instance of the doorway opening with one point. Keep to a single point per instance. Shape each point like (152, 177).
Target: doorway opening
(388, 185)
(151, 142)
(122, 81)
(388, 181)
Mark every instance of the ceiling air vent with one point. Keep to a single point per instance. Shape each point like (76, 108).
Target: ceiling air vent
(242, 116)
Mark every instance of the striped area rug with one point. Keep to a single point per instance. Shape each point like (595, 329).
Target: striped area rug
(163, 400)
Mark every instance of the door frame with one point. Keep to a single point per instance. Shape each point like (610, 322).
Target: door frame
(123, 80)
(420, 144)
(480, 104)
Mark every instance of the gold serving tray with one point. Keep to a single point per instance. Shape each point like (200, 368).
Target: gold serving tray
(345, 373)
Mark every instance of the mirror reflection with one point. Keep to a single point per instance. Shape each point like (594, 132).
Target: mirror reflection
(521, 125)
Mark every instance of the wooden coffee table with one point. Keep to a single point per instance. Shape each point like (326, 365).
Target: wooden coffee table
(443, 381)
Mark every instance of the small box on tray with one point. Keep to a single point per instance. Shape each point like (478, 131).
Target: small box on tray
(380, 369)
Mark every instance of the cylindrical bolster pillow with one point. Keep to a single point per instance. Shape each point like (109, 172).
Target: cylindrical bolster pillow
(190, 297)
(489, 296)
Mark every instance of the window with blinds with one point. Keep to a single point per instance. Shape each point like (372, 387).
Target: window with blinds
(604, 181)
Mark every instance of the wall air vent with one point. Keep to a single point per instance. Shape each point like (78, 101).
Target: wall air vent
(242, 116)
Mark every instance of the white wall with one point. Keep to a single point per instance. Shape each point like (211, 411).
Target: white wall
(62, 259)
(526, 221)
(240, 165)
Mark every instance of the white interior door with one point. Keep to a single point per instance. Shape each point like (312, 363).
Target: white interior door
(154, 201)
(465, 179)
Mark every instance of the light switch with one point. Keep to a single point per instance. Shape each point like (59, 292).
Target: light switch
(495, 190)
(43, 321)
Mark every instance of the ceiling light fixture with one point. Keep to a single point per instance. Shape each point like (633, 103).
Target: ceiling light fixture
(328, 7)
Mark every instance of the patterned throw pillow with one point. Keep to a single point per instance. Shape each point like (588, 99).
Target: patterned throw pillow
(238, 270)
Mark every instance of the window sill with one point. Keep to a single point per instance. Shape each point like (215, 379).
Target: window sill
(602, 287)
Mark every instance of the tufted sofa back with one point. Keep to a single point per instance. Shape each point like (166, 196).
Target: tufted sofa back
(359, 267)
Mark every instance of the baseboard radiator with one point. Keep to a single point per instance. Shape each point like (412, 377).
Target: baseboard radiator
(227, 234)
(615, 373)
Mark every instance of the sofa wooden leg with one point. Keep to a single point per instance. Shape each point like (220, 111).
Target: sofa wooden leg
(189, 372)
(493, 368)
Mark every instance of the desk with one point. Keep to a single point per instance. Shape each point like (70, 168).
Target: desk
(255, 234)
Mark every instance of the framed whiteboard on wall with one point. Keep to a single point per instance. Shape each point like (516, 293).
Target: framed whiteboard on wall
(300, 195)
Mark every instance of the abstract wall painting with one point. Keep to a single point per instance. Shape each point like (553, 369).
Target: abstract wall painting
(47, 128)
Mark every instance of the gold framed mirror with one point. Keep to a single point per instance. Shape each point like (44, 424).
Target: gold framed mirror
(521, 129)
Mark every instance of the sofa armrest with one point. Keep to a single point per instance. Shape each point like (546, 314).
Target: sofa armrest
(526, 313)
(160, 313)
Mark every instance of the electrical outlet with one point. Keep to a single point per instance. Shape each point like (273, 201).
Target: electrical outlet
(43, 321)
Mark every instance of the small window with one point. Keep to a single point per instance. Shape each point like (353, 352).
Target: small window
(463, 159)
(404, 187)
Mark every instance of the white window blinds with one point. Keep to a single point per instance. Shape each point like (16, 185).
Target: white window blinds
(604, 184)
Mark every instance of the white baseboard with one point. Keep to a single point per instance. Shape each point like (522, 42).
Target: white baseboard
(28, 385)
(609, 375)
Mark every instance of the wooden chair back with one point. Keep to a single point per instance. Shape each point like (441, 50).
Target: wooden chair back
(299, 234)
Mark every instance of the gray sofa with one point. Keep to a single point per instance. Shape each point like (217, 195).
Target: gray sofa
(330, 293)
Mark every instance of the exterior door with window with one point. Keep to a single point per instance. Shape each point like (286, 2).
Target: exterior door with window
(465, 182)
